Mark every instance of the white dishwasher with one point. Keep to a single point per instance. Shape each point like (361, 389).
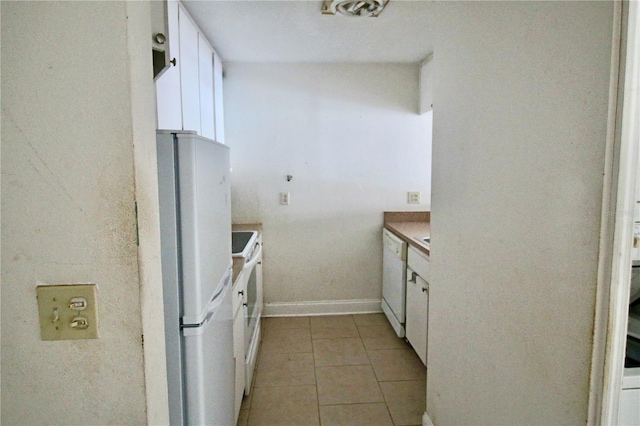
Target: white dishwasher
(394, 272)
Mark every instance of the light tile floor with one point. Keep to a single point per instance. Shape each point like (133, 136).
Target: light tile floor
(334, 370)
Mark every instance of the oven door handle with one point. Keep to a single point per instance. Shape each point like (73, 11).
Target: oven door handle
(256, 257)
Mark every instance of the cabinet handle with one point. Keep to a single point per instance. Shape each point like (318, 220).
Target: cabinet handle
(413, 277)
(244, 304)
(425, 289)
(173, 61)
(241, 293)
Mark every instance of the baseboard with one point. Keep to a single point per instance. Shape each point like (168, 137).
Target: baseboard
(322, 307)
(426, 420)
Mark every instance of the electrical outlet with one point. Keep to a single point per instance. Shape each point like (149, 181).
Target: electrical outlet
(413, 198)
(67, 312)
(284, 198)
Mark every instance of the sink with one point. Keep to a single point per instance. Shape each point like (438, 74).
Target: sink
(241, 242)
(425, 240)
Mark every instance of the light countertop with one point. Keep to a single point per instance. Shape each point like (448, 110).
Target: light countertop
(411, 227)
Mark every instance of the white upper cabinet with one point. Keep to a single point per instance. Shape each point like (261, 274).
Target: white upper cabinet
(219, 111)
(189, 73)
(205, 63)
(169, 99)
(189, 93)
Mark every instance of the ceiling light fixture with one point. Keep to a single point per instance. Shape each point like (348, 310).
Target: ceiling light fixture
(361, 8)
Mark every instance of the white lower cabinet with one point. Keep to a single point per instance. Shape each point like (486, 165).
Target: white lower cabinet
(238, 341)
(417, 304)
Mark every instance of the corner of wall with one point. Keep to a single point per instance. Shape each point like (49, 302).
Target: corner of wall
(425, 85)
(146, 194)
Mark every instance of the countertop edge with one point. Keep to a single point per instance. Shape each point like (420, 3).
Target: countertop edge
(410, 239)
(247, 227)
(407, 216)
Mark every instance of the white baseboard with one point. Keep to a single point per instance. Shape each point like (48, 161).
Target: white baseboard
(322, 307)
(426, 420)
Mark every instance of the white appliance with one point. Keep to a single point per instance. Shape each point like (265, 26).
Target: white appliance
(629, 409)
(394, 270)
(195, 231)
(250, 248)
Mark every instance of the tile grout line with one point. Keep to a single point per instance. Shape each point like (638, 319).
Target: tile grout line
(386, 405)
(315, 372)
(352, 317)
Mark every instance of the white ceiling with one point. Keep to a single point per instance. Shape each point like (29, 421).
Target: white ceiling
(297, 31)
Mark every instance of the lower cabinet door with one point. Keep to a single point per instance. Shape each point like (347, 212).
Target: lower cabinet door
(417, 313)
(238, 354)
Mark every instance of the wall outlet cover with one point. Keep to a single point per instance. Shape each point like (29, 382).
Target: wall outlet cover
(413, 197)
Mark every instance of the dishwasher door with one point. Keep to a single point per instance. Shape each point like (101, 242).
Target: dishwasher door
(394, 270)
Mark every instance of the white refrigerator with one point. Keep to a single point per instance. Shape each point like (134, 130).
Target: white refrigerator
(195, 228)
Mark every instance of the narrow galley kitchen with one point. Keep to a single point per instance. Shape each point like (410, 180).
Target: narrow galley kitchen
(331, 370)
(323, 130)
(317, 154)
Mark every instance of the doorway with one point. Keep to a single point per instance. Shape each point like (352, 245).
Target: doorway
(610, 328)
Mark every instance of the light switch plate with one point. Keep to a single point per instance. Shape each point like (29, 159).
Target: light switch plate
(68, 311)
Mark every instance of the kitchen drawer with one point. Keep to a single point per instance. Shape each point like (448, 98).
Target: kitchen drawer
(419, 262)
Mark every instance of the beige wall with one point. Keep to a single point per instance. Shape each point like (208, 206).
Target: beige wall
(520, 116)
(68, 208)
(354, 147)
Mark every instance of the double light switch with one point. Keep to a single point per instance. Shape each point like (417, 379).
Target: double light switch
(67, 312)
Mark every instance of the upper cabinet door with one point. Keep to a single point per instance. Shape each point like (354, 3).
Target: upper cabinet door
(217, 92)
(189, 79)
(205, 64)
(169, 100)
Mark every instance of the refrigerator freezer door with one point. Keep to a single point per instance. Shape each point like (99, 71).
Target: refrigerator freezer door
(205, 221)
(209, 365)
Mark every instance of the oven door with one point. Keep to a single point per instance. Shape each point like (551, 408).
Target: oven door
(252, 294)
(253, 309)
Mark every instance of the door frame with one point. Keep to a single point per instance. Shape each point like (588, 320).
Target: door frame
(619, 200)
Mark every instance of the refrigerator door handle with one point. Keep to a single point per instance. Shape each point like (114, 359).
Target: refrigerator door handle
(211, 307)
